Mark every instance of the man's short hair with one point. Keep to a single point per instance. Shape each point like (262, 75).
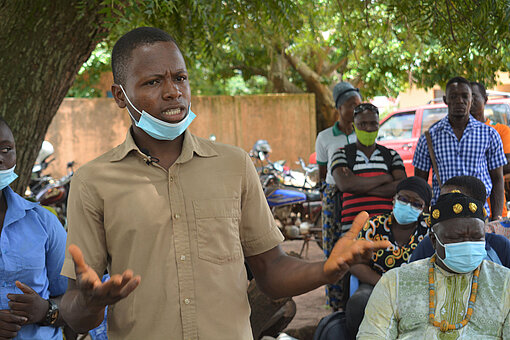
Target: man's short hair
(121, 53)
(366, 107)
(460, 80)
(469, 186)
(481, 88)
(3, 122)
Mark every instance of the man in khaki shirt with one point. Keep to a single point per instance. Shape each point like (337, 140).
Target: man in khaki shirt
(181, 212)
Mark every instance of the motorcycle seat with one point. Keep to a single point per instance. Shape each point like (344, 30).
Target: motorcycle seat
(313, 196)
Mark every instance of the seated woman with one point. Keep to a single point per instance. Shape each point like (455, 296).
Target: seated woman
(404, 227)
(32, 250)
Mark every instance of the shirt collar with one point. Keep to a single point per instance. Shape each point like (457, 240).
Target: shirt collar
(337, 131)
(17, 206)
(445, 124)
(191, 145)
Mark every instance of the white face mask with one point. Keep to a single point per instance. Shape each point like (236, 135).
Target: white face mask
(157, 128)
(7, 177)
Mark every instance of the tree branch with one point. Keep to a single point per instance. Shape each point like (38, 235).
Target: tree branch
(251, 70)
(277, 76)
(328, 69)
(450, 19)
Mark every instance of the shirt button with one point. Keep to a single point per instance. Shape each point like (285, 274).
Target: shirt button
(177, 216)
(183, 257)
(171, 179)
(187, 301)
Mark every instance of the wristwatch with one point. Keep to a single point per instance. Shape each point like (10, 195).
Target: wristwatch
(51, 314)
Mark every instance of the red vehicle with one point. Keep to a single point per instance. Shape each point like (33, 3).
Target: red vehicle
(400, 130)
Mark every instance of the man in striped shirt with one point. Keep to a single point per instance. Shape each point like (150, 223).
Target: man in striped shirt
(365, 172)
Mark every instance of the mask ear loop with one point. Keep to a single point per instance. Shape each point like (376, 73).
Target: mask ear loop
(129, 101)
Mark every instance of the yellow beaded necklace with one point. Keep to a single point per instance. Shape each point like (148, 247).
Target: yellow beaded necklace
(444, 325)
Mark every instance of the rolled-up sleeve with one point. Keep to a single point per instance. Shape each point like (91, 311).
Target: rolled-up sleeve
(258, 229)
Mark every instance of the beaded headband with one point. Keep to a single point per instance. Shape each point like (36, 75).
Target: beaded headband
(454, 205)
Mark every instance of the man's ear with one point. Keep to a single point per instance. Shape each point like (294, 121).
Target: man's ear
(433, 238)
(444, 100)
(119, 96)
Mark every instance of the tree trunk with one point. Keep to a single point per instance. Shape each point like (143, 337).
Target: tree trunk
(43, 45)
(278, 78)
(325, 107)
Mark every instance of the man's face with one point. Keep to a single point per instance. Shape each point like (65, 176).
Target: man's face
(460, 229)
(157, 82)
(367, 121)
(346, 110)
(7, 148)
(478, 104)
(458, 98)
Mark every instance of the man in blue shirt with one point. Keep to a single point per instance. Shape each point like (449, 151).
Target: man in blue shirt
(463, 146)
(32, 250)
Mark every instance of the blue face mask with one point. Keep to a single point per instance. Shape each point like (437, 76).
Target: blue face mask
(157, 128)
(463, 257)
(405, 213)
(7, 177)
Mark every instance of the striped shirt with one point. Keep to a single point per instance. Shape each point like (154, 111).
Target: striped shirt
(478, 151)
(353, 204)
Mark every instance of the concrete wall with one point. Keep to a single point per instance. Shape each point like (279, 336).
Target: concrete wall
(85, 128)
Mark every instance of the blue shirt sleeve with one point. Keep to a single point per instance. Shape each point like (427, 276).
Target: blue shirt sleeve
(423, 250)
(495, 155)
(421, 158)
(501, 246)
(55, 251)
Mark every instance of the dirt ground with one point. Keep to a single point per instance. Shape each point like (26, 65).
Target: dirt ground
(311, 307)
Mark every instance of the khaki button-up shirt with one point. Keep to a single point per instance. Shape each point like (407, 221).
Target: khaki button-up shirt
(185, 230)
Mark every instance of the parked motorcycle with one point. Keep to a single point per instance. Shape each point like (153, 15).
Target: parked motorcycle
(296, 207)
(47, 190)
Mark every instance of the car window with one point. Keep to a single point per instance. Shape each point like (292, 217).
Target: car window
(399, 126)
(498, 113)
(430, 116)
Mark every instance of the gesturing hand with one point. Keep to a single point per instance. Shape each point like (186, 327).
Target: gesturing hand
(10, 324)
(349, 250)
(96, 293)
(29, 304)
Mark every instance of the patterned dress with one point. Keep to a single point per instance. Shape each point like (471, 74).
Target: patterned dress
(379, 228)
(399, 305)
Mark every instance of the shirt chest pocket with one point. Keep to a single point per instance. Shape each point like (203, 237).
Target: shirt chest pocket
(217, 222)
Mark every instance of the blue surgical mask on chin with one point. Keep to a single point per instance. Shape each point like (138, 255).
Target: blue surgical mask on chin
(7, 177)
(405, 213)
(463, 257)
(157, 128)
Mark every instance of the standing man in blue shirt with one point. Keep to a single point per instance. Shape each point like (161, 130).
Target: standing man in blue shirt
(32, 250)
(463, 146)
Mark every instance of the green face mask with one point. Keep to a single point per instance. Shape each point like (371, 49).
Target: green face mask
(366, 138)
